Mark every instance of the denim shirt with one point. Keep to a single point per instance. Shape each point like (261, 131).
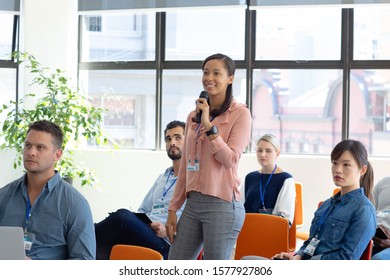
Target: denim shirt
(346, 231)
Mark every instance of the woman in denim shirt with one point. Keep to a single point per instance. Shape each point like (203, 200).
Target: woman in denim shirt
(344, 224)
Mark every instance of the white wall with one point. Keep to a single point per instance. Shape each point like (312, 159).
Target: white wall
(49, 31)
(126, 176)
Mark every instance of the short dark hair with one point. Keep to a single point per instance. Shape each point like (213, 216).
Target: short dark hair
(174, 124)
(49, 127)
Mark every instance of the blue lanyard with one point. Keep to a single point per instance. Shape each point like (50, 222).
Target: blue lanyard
(325, 217)
(28, 209)
(197, 131)
(166, 183)
(262, 192)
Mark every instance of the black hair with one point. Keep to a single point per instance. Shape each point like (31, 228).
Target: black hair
(230, 66)
(359, 153)
(49, 127)
(174, 124)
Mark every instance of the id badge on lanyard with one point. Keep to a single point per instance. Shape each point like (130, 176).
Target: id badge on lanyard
(158, 209)
(312, 246)
(265, 211)
(193, 161)
(29, 237)
(193, 164)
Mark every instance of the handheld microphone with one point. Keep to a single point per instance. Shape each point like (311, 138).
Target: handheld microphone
(203, 94)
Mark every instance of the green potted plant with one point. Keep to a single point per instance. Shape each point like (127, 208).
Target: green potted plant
(61, 104)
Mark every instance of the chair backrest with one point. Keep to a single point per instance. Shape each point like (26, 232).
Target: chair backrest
(200, 256)
(298, 217)
(299, 202)
(336, 190)
(262, 235)
(292, 233)
(368, 251)
(132, 252)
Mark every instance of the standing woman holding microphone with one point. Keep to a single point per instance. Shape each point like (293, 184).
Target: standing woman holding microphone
(214, 213)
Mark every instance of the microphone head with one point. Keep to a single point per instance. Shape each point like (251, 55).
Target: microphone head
(204, 94)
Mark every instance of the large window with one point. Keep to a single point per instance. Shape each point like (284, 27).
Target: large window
(7, 85)
(301, 98)
(127, 95)
(8, 43)
(129, 98)
(297, 106)
(298, 34)
(6, 35)
(372, 33)
(118, 37)
(195, 34)
(122, 67)
(312, 76)
(370, 111)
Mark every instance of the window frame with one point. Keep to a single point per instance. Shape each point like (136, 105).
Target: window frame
(159, 64)
(12, 63)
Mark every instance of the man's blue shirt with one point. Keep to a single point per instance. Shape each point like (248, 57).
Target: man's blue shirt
(60, 218)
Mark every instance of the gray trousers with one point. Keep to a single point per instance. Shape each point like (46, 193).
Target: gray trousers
(210, 223)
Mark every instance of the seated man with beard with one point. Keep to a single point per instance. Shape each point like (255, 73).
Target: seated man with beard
(124, 227)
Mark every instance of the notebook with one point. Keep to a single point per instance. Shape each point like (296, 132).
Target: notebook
(12, 243)
(143, 217)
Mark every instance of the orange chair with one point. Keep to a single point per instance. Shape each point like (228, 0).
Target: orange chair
(262, 235)
(299, 212)
(200, 256)
(292, 235)
(132, 252)
(298, 217)
(368, 251)
(299, 208)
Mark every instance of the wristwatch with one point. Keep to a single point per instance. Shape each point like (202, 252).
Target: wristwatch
(213, 130)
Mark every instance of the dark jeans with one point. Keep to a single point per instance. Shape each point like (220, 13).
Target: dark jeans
(123, 227)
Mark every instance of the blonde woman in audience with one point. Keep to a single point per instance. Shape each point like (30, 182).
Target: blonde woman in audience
(270, 190)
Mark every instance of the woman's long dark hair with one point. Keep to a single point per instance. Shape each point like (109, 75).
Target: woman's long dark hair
(359, 153)
(230, 66)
